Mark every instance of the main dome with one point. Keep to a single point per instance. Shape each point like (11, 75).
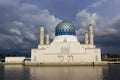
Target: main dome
(65, 28)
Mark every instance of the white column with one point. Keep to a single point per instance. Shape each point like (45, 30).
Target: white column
(42, 36)
(47, 39)
(86, 38)
(91, 34)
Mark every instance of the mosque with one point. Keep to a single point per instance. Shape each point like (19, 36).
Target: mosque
(65, 47)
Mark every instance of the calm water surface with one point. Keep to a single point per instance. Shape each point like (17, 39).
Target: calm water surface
(18, 72)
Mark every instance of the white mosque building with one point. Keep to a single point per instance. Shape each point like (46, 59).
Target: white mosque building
(65, 47)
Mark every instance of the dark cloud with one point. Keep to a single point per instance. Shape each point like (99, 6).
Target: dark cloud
(106, 33)
(20, 21)
(110, 42)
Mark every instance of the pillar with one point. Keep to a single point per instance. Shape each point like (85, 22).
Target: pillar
(47, 39)
(91, 34)
(42, 36)
(86, 38)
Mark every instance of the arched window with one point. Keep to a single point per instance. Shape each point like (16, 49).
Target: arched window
(96, 57)
(69, 29)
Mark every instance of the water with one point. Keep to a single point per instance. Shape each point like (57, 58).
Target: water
(18, 72)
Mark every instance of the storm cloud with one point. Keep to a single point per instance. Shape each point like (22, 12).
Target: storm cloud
(20, 21)
(20, 24)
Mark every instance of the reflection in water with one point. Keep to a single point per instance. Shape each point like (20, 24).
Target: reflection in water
(1, 72)
(15, 72)
(67, 73)
(114, 72)
(18, 72)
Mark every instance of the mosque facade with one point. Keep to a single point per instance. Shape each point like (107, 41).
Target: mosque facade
(65, 47)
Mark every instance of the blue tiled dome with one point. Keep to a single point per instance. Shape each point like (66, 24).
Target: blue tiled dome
(65, 28)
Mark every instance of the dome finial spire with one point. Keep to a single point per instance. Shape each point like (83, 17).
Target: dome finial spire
(65, 19)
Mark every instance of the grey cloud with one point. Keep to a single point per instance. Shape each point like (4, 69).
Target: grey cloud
(20, 24)
(111, 39)
(106, 34)
(98, 3)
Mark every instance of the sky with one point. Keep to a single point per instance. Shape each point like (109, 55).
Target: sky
(20, 21)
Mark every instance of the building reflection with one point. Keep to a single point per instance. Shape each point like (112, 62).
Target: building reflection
(19, 72)
(68, 73)
(16, 72)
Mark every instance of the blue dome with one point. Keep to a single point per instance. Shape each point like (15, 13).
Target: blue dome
(65, 28)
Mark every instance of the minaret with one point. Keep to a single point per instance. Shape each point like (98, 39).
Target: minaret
(42, 36)
(91, 34)
(86, 38)
(47, 39)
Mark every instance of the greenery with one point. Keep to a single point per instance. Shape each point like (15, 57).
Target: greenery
(111, 55)
(7, 55)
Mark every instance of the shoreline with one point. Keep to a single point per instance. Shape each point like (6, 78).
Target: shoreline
(103, 63)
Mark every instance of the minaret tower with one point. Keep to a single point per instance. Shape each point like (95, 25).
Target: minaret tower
(91, 34)
(86, 38)
(42, 36)
(47, 39)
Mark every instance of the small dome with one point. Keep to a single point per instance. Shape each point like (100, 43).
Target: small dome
(65, 28)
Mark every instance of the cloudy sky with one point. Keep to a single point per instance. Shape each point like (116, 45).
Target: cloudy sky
(20, 21)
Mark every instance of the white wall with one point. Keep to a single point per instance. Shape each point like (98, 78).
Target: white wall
(65, 38)
(66, 52)
(67, 57)
(14, 59)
